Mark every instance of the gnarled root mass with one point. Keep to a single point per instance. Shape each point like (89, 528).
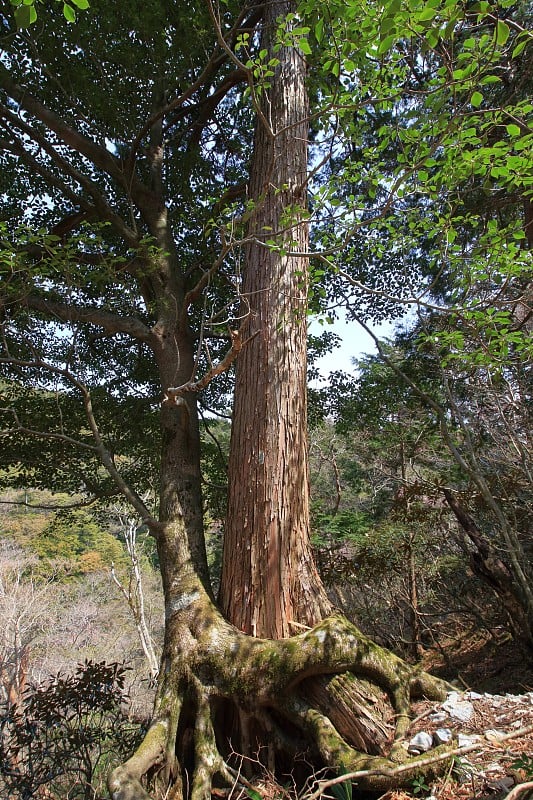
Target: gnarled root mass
(218, 687)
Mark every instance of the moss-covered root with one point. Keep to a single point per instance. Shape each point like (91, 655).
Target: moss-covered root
(425, 685)
(336, 645)
(208, 761)
(124, 781)
(382, 774)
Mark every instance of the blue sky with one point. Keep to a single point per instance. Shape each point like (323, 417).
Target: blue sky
(355, 343)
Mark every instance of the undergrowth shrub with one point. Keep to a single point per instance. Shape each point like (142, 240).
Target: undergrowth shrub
(61, 739)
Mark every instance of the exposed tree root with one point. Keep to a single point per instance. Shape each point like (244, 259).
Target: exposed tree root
(264, 682)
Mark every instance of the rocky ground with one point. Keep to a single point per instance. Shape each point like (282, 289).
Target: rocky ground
(494, 738)
(490, 717)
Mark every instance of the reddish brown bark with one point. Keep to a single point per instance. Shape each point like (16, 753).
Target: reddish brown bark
(269, 581)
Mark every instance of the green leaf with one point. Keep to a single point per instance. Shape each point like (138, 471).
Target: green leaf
(81, 4)
(319, 30)
(305, 47)
(69, 13)
(502, 32)
(386, 43)
(24, 16)
(388, 24)
(476, 99)
(393, 7)
(513, 130)
(519, 47)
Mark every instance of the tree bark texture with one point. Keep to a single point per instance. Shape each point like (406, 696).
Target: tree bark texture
(269, 581)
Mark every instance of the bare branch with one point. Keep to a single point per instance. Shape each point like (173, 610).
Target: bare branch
(48, 507)
(196, 386)
(241, 67)
(59, 437)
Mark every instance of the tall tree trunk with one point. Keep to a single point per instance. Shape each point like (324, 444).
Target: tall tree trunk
(270, 586)
(269, 581)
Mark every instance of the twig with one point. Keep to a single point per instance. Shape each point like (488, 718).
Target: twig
(458, 751)
(522, 787)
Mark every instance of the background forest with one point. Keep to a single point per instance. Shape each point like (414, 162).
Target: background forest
(184, 187)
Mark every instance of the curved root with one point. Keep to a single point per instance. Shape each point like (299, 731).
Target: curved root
(209, 762)
(262, 678)
(381, 773)
(124, 781)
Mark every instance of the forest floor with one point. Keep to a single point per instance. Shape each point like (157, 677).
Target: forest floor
(492, 718)
(489, 719)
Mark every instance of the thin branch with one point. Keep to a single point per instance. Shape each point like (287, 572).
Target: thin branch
(59, 437)
(51, 507)
(97, 154)
(99, 447)
(517, 791)
(17, 148)
(363, 773)
(241, 67)
(196, 386)
(100, 202)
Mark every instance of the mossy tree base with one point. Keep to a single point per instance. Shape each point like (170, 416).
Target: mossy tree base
(209, 665)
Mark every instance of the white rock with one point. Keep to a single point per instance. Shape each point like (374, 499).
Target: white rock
(466, 741)
(438, 716)
(462, 710)
(474, 696)
(442, 736)
(420, 743)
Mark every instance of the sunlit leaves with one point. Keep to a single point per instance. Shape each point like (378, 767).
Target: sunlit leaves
(416, 105)
(25, 11)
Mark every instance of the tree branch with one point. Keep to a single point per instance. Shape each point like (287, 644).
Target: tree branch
(17, 148)
(97, 154)
(196, 386)
(111, 323)
(99, 447)
(93, 190)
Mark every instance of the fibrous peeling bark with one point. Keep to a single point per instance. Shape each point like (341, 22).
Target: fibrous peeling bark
(210, 662)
